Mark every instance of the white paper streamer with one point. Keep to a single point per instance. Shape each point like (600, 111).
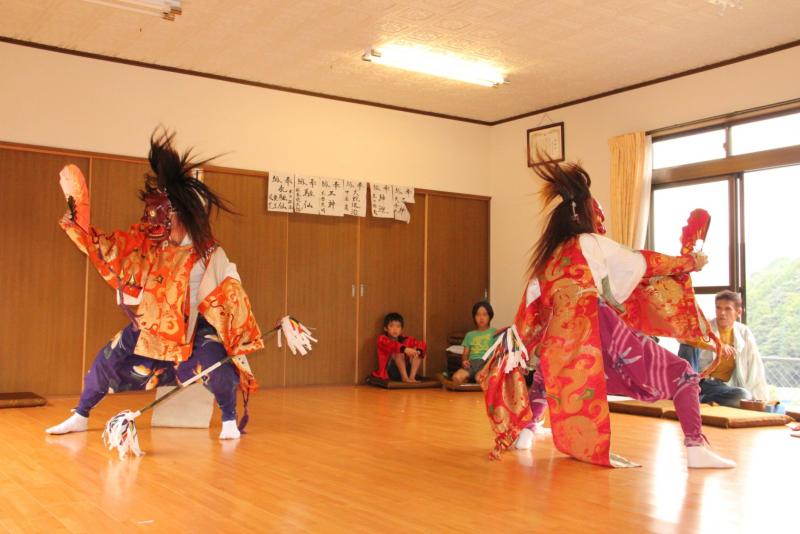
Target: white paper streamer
(516, 355)
(298, 338)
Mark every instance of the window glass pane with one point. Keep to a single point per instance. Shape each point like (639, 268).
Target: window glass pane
(689, 149)
(670, 344)
(772, 260)
(671, 208)
(707, 304)
(766, 134)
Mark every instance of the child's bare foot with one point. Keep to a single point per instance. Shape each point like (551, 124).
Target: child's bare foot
(460, 376)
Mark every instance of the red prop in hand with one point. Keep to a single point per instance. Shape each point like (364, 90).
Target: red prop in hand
(76, 193)
(695, 230)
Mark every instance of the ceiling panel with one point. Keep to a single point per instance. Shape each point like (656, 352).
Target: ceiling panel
(553, 51)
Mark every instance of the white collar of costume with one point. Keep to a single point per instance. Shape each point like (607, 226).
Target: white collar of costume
(218, 268)
(607, 259)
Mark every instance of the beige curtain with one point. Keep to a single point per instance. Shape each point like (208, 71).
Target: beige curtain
(631, 172)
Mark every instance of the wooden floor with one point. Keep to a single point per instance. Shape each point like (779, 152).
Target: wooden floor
(370, 460)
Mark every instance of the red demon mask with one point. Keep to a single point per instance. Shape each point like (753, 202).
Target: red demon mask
(157, 215)
(599, 217)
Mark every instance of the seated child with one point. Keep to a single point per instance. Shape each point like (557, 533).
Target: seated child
(476, 343)
(399, 356)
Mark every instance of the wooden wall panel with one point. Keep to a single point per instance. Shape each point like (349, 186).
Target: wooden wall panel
(306, 265)
(42, 278)
(255, 240)
(322, 271)
(115, 205)
(458, 269)
(392, 271)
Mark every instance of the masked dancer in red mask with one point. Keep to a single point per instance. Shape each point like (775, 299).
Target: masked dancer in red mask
(588, 309)
(191, 310)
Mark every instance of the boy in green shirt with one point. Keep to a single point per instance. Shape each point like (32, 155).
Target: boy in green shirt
(476, 343)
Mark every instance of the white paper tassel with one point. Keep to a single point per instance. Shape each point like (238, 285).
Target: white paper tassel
(120, 433)
(516, 355)
(298, 336)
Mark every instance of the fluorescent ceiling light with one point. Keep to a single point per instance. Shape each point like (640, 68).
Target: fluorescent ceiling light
(443, 64)
(166, 9)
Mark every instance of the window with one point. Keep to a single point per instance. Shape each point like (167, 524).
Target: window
(671, 208)
(689, 149)
(772, 269)
(765, 134)
(752, 242)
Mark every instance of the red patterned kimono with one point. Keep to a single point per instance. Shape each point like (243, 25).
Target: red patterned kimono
(560, 323)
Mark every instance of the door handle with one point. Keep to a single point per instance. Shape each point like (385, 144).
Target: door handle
(362, 290)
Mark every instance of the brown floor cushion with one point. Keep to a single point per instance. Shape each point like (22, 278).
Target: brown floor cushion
(719, 416)
(725, 417)
(635, 407)
(793, 415)
(21, 400)
(424, 382)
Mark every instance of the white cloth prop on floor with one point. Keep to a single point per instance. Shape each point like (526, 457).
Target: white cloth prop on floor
(192, 409)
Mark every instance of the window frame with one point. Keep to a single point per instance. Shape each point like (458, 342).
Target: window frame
(735, 253)
(731, 168)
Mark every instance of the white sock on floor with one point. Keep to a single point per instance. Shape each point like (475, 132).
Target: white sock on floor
(229, 430)
(524, 440)
(74, 423)
(540, 430)
(701, 457)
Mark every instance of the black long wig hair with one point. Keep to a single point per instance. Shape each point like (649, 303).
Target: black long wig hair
(573, 215)
(193, 201)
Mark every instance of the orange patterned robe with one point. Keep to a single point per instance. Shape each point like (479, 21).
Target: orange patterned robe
(157, 275)
(561, 325)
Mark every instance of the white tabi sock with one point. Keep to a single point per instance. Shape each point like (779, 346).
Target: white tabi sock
(75, 423)
(540, 430)
(524, 440)
(229, 430)
(701, 457)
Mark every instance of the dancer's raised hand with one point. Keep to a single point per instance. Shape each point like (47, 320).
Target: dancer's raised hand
(700, 260)
(76, 193)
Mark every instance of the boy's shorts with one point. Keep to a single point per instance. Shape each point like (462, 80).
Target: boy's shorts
(475, 365)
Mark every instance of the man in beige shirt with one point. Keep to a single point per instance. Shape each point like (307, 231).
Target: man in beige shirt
(740, 373)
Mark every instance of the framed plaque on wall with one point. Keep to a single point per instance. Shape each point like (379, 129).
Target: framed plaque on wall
(546, 140)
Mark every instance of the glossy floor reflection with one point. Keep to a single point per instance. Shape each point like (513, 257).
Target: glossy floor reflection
(369, 460)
